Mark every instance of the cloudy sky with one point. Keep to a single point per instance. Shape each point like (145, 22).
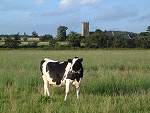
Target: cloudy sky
(44, 16)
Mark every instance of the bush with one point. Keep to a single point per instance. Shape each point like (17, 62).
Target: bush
(11, 43)
(33, 44)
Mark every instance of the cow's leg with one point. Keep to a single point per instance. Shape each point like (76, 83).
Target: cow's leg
(78, 91)
(77, 85)
(67, 88)
(46, 91)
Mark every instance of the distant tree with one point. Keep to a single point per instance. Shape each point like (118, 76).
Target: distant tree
(34, 34)
(25, 34)
(17, 36)
(74, 39)
(25, 39)
(118, 41)
(92, 41)
(148, 29)
(61, 33)
(96, 40)
(131, 43)
(144, 34)
(46, 37)
(52, 42)
(12, 43)
(143, 42)
(98, 31)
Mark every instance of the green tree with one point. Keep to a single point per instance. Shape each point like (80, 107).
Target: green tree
(17, 36)
(46, 37)
(144, 34)
(25, 39)
(143, 42)
(74, 39)
(148, 29)
(12, 43)
(52, 42)
(34, 34)
(61, 33)
(96, 40)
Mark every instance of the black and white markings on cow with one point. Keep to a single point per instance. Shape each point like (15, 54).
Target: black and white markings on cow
(56, 71)
(62, 73)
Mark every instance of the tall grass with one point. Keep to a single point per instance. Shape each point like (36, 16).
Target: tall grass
(114, 82)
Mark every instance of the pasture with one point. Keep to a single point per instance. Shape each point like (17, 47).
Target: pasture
(115, 81)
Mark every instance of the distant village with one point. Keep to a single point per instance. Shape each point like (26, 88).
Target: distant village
(61, 33)
(85, 39)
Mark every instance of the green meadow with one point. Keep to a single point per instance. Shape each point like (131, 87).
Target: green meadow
(115, 81)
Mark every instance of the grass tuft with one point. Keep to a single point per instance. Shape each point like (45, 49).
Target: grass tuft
(46, 99)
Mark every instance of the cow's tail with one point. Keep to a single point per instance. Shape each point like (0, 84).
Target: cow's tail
(41, 66)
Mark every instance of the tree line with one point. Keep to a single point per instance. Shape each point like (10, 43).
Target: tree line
(96, 39)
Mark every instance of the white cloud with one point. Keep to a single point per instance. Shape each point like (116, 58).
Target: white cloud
(67, 3)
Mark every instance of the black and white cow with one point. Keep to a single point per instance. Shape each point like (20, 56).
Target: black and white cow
(62, 73)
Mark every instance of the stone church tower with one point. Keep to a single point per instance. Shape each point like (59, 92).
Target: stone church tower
(85, 29)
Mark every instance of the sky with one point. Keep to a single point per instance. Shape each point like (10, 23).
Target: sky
(44, 16)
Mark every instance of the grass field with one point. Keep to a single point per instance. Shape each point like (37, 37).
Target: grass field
(115, 81)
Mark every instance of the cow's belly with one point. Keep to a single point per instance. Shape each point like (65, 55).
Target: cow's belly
(50, 81)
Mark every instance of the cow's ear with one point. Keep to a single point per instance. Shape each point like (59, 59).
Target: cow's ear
(81, 59)
(70, 60)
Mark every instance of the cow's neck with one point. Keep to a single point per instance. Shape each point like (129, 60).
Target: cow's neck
(67, 69)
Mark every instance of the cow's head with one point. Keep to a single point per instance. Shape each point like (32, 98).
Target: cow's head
(76, 64)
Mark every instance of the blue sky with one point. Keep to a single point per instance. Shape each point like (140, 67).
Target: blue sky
(44, 16)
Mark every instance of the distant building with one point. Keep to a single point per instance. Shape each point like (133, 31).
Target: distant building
(32, 39)
(123, 34)
(61, 32)
(85, 29)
